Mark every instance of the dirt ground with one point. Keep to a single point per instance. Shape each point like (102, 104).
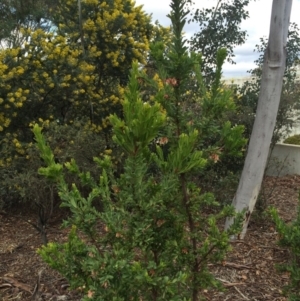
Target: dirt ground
(248, 273)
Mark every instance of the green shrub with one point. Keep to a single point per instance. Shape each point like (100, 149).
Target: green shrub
(153, 239)
(290, 238)
(20, 182)
(293, 140)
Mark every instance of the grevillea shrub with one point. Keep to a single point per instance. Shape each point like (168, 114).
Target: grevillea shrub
(154, 238)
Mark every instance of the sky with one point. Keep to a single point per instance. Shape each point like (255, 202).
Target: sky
(257, 26)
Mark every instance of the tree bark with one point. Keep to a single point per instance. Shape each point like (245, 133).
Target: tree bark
(268, 103)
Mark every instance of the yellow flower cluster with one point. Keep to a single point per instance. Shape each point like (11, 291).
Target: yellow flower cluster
(89, 25)
(112, 41)
(91, 2)
(95, 128)
(46, 64)
(4, 122)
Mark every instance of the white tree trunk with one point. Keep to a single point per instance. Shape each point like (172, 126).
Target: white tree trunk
(268, 103)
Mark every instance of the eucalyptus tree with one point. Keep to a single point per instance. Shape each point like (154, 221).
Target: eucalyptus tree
(274, 67)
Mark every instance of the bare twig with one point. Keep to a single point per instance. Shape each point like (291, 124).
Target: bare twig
(36, 291)
(18, 284)
(236, 266)
(228, 284)
(248, 253)
(240, 242)
(241, 293)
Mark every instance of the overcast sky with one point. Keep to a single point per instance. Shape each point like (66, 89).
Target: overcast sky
(257, 26)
